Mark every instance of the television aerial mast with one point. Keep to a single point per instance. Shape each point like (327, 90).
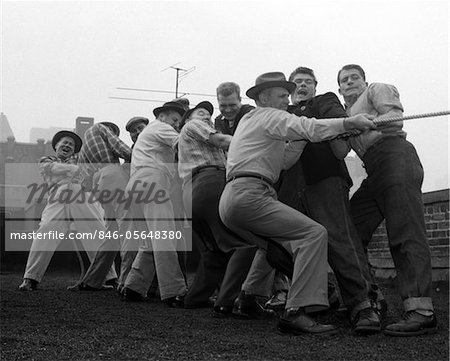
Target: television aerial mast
(180, 74)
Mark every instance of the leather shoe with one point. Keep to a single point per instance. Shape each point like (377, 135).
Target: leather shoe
(246, 306)
(28, 285)
(298, 322)
(412, 324)
(367, 321)
(175, 302)
(129, 295)
(222, 311)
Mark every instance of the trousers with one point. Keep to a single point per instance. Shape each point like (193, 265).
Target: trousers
(86, 217)
(111, 178)
(249, 207)
(327, 202)
(224, 258)
(392, 191)
(156, 254)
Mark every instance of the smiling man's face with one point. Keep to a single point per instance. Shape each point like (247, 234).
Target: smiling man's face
(65, 148)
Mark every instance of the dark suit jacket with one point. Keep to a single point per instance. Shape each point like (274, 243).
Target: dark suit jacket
(222, 124)
(317, 161)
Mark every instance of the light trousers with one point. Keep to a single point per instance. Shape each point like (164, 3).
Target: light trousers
(82, 216)
(249, 207)
(155, 255)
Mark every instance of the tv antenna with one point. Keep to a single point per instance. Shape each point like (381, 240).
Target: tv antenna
(181, 73)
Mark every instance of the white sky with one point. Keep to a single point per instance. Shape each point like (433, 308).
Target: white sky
(63, 59)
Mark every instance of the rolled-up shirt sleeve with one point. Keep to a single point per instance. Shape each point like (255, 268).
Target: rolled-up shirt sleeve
(385, 99)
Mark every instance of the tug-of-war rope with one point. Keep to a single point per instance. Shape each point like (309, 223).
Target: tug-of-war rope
(376, 121)
(408, 117)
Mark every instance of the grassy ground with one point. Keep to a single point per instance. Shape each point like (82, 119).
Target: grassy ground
(55, 324)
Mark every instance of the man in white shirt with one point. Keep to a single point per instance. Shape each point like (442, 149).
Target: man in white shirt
(268, 140)
(152, 171)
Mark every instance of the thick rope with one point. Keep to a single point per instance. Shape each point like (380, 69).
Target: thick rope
(407, 117)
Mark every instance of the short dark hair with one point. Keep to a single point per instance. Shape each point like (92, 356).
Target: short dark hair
(352, 66)
(228, 88)
(302, 70)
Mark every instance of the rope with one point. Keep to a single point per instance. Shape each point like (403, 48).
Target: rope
(407, 117)
(384, 121)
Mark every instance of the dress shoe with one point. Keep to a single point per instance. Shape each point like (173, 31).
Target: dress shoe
(298, 322)
(277, 301)
(28, 285)
(246, 306)
(222, 311)
(175, 302)
(367, 321)
(129, 295)
(79, 286)
(412, 324)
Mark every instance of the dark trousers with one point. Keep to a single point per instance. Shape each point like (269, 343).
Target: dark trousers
(392, 191)
(327, 202)
(224, 257)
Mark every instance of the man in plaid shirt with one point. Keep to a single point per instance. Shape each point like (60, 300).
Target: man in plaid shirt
(99, 162)
(225, 258)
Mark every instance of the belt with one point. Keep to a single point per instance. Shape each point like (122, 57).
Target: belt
(206, 167)
(251, 175)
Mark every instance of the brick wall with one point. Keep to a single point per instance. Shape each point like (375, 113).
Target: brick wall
(436, 210)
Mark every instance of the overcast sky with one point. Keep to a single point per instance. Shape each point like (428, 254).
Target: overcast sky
(66, 59)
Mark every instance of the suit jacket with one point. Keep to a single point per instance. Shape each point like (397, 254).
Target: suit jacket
(222, 125)
(318, 160)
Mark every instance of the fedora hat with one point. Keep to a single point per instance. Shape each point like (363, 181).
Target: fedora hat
(66, 133)
(114, 128)
(135, 120)
(270, 80)
(176, 106)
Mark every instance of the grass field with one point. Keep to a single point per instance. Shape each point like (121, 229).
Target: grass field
(54, 324)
